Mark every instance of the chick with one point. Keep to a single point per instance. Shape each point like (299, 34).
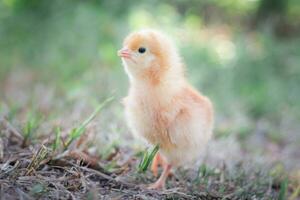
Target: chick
(161, 106)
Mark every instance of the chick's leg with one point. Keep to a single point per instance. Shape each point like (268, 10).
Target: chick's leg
(157, 161)
(155, 164)
(160, 183)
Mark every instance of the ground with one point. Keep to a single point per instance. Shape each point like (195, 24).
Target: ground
(51, 149)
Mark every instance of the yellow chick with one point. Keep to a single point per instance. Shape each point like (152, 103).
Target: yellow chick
(161, 106)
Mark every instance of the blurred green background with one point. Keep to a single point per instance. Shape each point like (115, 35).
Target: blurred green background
(244, 54)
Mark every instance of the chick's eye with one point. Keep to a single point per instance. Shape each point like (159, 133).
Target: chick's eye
(142, 50)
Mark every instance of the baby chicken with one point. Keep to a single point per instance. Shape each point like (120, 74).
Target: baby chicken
(161, 106)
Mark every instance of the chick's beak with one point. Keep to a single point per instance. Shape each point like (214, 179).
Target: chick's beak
(124, 53)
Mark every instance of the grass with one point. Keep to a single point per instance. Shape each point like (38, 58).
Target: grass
(50, 170)
(68, 178)
(57, 141)
(283, 189)
(147, 159)
(40, 156)
(30, 127)
(78, 131)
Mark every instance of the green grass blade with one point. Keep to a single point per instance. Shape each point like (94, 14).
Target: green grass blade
(30, 127)
(283, 189)
(147, 159)
(57, 141)
(143, 161)
(78, 131)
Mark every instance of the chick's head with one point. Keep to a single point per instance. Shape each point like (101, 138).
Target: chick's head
(148, 53)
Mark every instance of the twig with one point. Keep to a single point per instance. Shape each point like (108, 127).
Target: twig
(11, 129)
(178, 193)
(12, 168)
(78, 155)
(99, 173)
(1, 149)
